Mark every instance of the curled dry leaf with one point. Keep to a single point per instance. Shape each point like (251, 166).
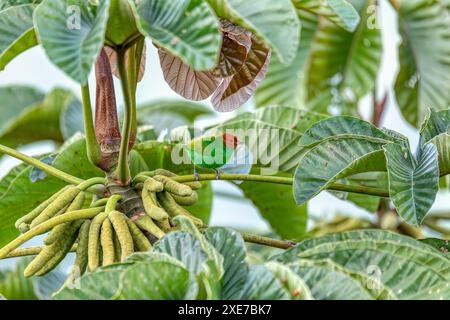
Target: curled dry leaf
(112, 55)
(238, 89)
(235, 46)
(184, 80)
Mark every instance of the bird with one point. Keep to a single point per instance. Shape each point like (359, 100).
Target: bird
(220, 152)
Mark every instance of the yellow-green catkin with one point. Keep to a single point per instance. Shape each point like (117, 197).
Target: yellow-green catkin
(152, 185)
(53, 208)
(164, 225)
(81, 260)
(195, 185)
(76, 204)
(174, 209)
(117, 249)
(107, 242)
(151, 206)
(140, 240)
(174, 187)
(51, 255)
(26, 219)
(119, 222)
(147, 224)
(93, 242)
(186, 201)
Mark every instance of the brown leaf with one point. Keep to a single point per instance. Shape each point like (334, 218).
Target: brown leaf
(235, 47)
(184, 80)
(234, 91)
(112, 55)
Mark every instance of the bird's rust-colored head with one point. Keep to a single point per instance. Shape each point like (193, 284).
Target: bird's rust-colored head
(230, 140)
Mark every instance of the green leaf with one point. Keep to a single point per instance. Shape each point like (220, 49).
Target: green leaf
(413, 182)
(72, 35)
(401, 264)
(435, 130)
(187, 28)
(71, 119)
(424, 75)
(39, 121)
(14, 285)
(16, 31)
(15, 100)
(185, 248)
(344, 65)
(262, 285)
(343, 126)
(121, 25)
(103, 284)
(137, 163)
(335, 158)
(169, 114)
(275, 22)
(276, 205)
(340, 12)
(329, 281)
(285, 84)
(163, 281)
(442, 246)
(231, 246)
(295, 285)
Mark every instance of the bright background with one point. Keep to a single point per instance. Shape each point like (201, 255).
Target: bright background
(33, 68)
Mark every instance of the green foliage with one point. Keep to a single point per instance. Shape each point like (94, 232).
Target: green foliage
(351, 265)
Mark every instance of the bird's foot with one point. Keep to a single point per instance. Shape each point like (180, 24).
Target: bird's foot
(196, 177)
(217, 174)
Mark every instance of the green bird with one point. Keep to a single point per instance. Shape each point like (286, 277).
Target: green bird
(217, 152)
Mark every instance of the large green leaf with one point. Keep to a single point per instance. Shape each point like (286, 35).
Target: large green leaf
(343, 126)
(333, 159)
(285, 84)
(340, 12)
(184, 247)
(37, 121)
(15, 99)
(276, 205)
(424, 77)
(401, 265)
(275, 22)
(344, 64)
(169, 114)
(163, 281)
(186, 28)
(72, 36)
(16, 30)
(413, 182)
(23, 195)
(100, 285)
(435, 130)
(231, 246)
(263, 285)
